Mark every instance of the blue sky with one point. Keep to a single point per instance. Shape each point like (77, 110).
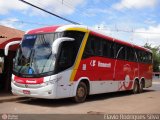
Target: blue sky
(135, 21)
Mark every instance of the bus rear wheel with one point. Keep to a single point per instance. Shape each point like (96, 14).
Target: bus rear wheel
(81, 93)
(136, 87)
(141, 86)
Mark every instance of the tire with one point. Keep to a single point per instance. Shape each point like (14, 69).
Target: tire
(81, 93)
(141, 86)
(136, 87)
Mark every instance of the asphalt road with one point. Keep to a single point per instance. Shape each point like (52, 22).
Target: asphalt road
(118, 102)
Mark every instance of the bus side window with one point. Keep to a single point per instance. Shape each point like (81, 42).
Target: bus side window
(119, 51)
(107, 48)
(93, 47)
(89, 48)
(149, 57)
(130, 54)
(66, 56)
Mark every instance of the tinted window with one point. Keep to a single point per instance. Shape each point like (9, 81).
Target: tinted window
(77, 35)
(92, 47)
(144, 56)
(69, 50)
(119, 51)
(130, 54)
(107, 48)
(97, 46)
(66, 56)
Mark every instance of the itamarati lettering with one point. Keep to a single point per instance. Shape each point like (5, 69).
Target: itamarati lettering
(106, 65)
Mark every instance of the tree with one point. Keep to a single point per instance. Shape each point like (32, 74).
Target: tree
(156, 56)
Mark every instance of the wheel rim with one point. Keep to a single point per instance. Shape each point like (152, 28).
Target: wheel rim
(81, 92)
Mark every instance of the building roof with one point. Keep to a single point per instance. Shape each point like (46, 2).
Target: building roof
(8, 34)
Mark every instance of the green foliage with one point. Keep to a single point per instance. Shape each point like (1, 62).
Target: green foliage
(156, 56)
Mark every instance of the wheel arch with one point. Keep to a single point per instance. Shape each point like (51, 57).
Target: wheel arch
(86, 81)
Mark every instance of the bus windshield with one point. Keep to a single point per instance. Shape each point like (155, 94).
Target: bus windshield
(35, 54)
(35, 57)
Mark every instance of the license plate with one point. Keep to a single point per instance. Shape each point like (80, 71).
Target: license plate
(26, 92)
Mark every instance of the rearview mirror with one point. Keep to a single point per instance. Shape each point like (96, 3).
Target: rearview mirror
(58, 41)
(6, 49)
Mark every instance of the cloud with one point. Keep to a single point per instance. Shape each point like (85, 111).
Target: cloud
(139, 36)
(12, 22)
(138, 4)
(150, 21)
(103, 28)
(7, 5)
(57, 6)
(150, 34)
(92, 12)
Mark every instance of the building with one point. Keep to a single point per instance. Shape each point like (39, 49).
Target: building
(6, 62)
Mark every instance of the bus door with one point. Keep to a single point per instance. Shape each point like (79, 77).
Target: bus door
(64, 64)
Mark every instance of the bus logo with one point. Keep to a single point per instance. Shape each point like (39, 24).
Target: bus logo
(93, 63)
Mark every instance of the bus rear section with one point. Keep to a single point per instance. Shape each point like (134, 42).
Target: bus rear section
(111, 65)
(73, 61)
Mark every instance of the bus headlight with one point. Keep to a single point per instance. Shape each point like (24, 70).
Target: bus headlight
(50, 82)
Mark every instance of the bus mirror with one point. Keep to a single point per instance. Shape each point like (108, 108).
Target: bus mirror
(58, 41)
(6, 49)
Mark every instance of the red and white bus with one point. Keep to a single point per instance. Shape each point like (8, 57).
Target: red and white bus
(75, 61)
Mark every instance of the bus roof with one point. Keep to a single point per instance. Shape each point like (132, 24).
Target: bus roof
(61, 28)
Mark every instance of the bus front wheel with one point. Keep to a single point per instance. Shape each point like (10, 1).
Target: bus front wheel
(81, 93)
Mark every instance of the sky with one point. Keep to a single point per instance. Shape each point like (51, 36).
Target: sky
(134, 21)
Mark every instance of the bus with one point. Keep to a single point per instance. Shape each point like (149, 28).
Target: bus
(75, 61)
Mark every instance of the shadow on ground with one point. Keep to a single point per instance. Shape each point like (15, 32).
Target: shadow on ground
(70, 102)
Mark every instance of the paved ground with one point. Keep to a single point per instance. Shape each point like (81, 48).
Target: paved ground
(119, 102)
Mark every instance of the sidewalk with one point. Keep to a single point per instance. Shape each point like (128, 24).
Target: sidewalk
(7, 97)
(156, 81)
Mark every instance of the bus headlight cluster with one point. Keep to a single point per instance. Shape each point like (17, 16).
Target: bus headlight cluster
(50, 82)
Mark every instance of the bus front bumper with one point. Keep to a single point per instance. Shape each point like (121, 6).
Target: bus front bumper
(48, 92)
